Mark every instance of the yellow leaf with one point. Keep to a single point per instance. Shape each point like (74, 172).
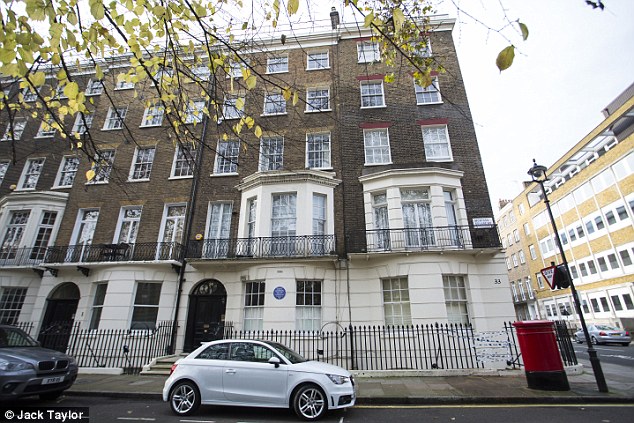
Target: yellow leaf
(240, 103)
(251, 81)
(90, 175)
(524, 30)
(505, 58)
(295, 98)
(38, 79)
(399, 18)
(98, 72)
(368, 19)
(71, 90)
(258, 131)
(292, 6)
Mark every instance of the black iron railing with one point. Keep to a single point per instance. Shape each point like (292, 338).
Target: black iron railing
(263, 247)
(425, 238)
(120, 348)
(93, 253)
(24, 256)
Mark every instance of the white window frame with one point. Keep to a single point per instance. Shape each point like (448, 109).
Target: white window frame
(142, 163)
(396, 301)
(227, 152)
(31, 173)
(102, 166)
(429, 94)
(128, 224)
(229, 109)
(115, 118)
(97, 305)
(19, 124)
(30, 96)
(367, 97)
(456, 299)
(153, 115)
(318, 150)
(436, 148)
(68, 166)
(274, 104)
(4, 166)
(315, 99)
(194, 112)
(46, 129)
(12, 300)
(153, 305)
(277, 64)
(123, 85)
(184, 161)
(368, 52)
(78, 126)
(317, 63)
(370, 150)
(308, 305)
(254, 298)
(271, 160)
(94, 87)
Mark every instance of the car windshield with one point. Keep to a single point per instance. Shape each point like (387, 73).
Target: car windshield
(290, 355)
(605, 327)
(14, 337)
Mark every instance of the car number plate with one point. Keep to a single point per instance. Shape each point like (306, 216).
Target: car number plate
(50, 380)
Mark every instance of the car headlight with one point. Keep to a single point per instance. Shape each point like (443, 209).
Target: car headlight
(12, 366)
(338, 380)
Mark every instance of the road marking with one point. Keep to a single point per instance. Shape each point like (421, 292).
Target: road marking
(142, 419)
(494, 406)
(198, 421)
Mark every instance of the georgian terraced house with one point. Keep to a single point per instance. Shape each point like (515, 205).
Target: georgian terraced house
(365, 203)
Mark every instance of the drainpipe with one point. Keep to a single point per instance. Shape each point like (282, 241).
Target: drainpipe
(190, 214)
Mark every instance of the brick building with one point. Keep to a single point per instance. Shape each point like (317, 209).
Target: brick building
(591, 192)
(365, 203)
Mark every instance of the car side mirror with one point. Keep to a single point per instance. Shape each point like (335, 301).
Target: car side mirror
(275, 360)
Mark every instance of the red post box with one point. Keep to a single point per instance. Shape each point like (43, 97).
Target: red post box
(541, 357)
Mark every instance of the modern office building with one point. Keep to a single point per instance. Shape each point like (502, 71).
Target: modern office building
(591, 193)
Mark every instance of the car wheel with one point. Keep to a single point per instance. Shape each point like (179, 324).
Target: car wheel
(578, 339)
(310, 402)
(50, 396)
(185, 398)
(594, 340)
(626, 344)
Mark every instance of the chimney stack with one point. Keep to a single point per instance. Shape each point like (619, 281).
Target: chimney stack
(334, 17)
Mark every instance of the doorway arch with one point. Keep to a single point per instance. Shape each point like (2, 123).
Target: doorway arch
(206, 313)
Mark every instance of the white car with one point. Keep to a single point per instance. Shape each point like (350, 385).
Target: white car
(256, 374)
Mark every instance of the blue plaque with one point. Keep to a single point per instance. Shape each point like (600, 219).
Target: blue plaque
(279, 292)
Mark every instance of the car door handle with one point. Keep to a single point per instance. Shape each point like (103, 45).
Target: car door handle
(231, 371)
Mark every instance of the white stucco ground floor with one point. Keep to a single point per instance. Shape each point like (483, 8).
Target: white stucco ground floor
(466, 287)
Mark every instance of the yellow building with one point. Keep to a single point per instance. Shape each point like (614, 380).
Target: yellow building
(591, 193)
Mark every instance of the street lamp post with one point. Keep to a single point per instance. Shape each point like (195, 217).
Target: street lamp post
(538, 174)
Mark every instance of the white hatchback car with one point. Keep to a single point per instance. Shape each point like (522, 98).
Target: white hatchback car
(257, 374)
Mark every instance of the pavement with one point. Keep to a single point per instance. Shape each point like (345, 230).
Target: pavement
(434, 387)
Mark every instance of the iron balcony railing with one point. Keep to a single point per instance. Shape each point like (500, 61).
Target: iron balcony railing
(94, 253)
(263, 247)
(24, 256)
(424, 238)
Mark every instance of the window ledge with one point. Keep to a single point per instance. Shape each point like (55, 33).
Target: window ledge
(318, 111)
(172, 178)
(151, 126)
(139, 180)
(219, 175)
(317, 69)
(273, 114)
(378, 164)
(111, 129)
(374, 107)
(430, 103)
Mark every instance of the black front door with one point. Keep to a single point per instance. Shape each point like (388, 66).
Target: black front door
(59, 317)
(205, 319)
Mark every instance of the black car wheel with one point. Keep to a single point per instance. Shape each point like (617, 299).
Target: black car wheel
(185, 398)
(594, 340)
(310, 402)
(578, 339)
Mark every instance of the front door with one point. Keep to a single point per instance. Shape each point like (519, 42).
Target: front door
(59, 317)
(205, 319)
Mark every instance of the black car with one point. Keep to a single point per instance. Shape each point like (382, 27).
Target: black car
(28, 369)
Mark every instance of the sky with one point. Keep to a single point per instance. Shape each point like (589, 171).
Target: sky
(575, 61)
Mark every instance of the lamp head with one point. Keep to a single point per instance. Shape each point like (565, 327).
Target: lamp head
(538, 172)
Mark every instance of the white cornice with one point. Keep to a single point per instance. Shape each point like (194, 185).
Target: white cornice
(425, 171)
(287, 177)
